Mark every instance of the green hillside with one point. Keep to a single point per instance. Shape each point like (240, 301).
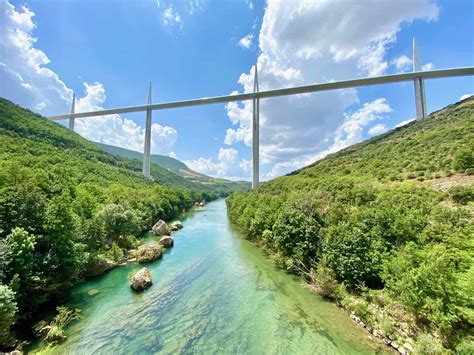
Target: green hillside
(70, 209)
(177, 167)
(385, 228)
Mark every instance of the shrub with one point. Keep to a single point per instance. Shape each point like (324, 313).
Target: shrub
(354, 255)
(325, 280)
(462, 194)
(61, 320)
(463, 159)
(427, 345)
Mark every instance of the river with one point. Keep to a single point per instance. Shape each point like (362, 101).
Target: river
(213, 293)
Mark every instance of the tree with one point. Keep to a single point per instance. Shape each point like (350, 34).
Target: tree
(8, 310)
(20, 254)
(118, 221)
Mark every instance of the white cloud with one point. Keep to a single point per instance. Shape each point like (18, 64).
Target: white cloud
(249, 4)
(24, 75)
(25, 79)
(173, 155)
(171, 17)
(427, 67)
(403, 64)
(307, 42)
(116, 130)
(246, 41)
(378, 129)
(405, 122)
(465, 96)
(228, 165)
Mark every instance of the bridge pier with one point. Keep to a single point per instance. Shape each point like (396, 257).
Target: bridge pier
(255, 134)
(73, 109)
(147, 143)
(420, 97)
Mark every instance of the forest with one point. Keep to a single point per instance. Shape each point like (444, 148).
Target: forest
(384, 228)
(67, 208)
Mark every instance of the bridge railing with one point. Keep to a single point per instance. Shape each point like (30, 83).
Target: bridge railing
(416, 76)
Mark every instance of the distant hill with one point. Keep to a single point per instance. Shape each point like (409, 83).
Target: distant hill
(178, 167)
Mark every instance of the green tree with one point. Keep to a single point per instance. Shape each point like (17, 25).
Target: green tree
(117, 221)
(20, 254)
(8, 310)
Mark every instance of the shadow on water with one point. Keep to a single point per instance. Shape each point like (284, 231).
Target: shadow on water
(213, 293)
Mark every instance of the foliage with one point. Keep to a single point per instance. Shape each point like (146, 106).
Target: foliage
(65, 203)
(61, 320)
(372, 221)
(8, 310)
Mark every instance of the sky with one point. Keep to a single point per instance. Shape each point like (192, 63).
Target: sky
(108, 51)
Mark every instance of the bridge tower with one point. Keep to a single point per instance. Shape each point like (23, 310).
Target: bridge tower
(147, 143)
(255, 134)
(420, 97)
(73, 110)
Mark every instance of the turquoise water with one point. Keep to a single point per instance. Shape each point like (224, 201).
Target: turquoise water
(213, 293)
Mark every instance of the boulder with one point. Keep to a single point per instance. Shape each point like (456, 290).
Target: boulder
(100, 265)
(141, 280)
(176, 225)
(160, 228)
(93, 292)
(202, 204)
(166, 241)
(149, 252)
(40, 329)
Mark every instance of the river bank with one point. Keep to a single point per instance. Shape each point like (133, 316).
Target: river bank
(213, 292)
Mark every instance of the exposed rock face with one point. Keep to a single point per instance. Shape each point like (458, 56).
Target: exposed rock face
(176, 225)
(166, 241)
(161, 228)
(99, 266)
(149, 252)
(141, 280)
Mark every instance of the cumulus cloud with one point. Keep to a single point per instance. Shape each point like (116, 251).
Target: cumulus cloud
(228, 165)
(465, 96)
(24, 75)
(116, 130)
(26, 80)
(403, 63)
(246, 42)
(349, 40)
(427, 67)
(377, 129)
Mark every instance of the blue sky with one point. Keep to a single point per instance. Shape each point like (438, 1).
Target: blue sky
(108, 51)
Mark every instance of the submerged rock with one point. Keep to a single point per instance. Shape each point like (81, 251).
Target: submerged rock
(149, 252)
(166, 241)
(161, 228)
(93, 292)
(176, 225)
(141, 280)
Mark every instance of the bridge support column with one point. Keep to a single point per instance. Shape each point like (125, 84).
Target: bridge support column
(255, 134)
(73, 109)
(147, 143)
(420, 97)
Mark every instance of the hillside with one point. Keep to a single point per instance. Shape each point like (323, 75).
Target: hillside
(181, 169)
(384, 228)
(68, 209)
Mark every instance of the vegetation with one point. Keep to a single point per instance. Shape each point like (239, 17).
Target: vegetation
(67, 205)
(384, 227)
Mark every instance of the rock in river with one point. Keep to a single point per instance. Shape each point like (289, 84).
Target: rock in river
(141, 280)
(149, 252)
(161, 228)
(176, 225)
(93, 292)
(167, 241)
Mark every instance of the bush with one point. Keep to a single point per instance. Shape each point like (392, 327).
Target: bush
(462, 194)
(427, 345)
(325, 280)
(354, 255)
(464, 159)
(8, 310)
(61, 320)
(425, 282)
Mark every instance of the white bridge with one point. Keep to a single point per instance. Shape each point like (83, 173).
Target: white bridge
(416, 76)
